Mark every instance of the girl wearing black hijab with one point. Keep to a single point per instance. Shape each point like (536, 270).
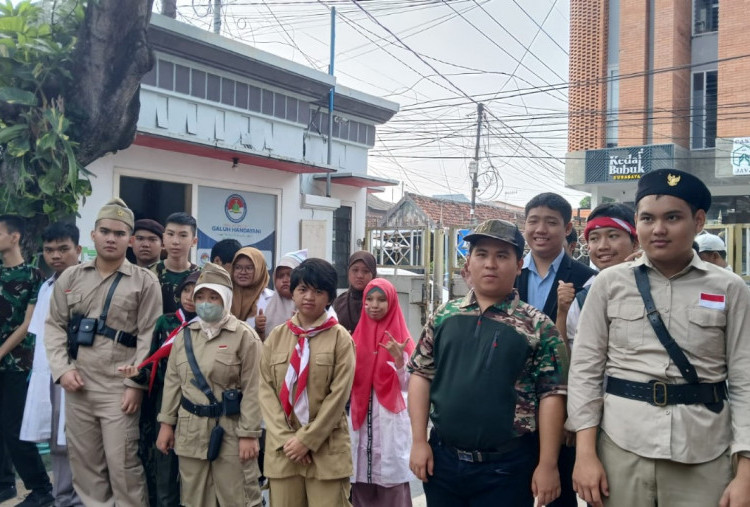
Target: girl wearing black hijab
(348, 306)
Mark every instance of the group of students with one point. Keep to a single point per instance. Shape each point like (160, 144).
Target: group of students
(658, 380)
(648, 355)
(174, 352)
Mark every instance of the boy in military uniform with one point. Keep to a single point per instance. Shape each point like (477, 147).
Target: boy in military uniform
(19, 285)
(665, 431)
(493, 370)
(147, 242)
(101, 408)
(179, 237)
(227, 352)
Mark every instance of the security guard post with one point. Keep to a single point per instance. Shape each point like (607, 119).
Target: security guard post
(666, 334)
(102, 314)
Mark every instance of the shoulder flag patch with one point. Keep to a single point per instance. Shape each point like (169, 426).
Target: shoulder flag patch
(715, 301)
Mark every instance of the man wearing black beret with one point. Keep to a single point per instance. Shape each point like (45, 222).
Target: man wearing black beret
(662, 337)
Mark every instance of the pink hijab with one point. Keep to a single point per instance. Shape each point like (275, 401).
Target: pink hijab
(373, 370)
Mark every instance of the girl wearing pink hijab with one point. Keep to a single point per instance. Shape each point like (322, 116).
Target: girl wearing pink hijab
(380, 430)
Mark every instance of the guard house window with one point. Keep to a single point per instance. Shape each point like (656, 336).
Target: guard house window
(703, 114)
(705, 16)
(342, 227)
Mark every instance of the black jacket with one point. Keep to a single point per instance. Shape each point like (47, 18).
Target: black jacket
(570, 271)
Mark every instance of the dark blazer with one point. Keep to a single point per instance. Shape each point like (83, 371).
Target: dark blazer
(570, 271)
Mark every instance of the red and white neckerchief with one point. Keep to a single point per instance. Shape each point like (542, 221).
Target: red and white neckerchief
(165, 348)
(297, 371)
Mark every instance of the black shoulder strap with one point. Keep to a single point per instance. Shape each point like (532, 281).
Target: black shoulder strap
(199, 381)
(673, 349)
(105, 310)
(581, 296)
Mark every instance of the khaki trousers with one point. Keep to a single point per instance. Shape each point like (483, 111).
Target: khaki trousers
(224, 481)
(638, 481)
(298, 491)
(103, 450)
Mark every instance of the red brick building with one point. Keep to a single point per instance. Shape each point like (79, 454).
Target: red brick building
(660, 84)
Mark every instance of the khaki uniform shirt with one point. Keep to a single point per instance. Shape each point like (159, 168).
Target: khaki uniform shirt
(329, 384)
(616, 339)
(229, 360)
(135, 306)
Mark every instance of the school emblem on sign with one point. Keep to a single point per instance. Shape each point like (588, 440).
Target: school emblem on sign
(741, 156)
(235, 208)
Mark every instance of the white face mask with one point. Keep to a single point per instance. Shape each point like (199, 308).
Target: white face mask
(209, 312)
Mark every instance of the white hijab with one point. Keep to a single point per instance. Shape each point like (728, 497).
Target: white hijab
(280, 309)
(213, 328)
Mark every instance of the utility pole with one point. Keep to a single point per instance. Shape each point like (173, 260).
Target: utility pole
(217, 16)
(331, 93)
(474, 166)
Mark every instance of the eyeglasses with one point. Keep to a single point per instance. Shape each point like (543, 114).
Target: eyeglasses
(244, 269)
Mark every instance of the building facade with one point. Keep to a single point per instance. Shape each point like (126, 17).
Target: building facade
(660, 84)
(238, 137)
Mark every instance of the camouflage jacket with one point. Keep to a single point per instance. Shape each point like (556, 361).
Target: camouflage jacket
(19, 287)
(488, 370)
(170, 281)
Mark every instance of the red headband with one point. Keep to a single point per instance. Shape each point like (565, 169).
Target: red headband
(615, 223)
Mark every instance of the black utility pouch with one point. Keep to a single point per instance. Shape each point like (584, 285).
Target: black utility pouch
(231, 399)
(86, 332)
(214, 442)
(73, 324)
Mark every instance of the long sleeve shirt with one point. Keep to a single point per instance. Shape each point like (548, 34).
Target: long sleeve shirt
(616, 339)
(135, 306)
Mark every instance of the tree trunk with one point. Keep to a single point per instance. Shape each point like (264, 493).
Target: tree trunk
(111, 57)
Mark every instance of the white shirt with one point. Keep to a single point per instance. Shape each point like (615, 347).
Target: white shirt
(36, 425)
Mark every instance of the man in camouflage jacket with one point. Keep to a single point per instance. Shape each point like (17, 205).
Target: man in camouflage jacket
(19, 285)
(489, 370)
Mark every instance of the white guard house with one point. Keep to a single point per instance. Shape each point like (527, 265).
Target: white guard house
(237, 137)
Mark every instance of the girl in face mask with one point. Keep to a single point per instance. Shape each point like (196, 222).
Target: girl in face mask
(227, 352)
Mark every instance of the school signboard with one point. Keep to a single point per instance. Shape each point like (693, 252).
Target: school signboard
(248, 217)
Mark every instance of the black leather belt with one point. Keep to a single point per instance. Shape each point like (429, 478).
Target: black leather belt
(486, 456)
(216, 410)
(661, 394)
(121, 337)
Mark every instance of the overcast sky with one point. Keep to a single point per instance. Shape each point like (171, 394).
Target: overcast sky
(436, 59)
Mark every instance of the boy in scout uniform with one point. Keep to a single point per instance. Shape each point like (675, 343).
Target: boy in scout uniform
(227, 352)
(101, 408)
(665, 334)
(307, 370)
(489, 372)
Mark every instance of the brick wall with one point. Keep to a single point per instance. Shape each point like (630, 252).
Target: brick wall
(588, 68)
(634, 15)
(733, 110)
(671, 93)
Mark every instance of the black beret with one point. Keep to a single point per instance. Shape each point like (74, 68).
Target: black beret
(675, 183)
(146, 224)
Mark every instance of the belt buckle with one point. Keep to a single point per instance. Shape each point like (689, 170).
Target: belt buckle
(655, 393)
(465, 456)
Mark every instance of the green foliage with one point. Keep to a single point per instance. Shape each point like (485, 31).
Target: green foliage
(586, 202)
(41, 175)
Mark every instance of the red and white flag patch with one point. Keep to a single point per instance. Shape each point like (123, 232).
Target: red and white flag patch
(222, 347)
(715, 301)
